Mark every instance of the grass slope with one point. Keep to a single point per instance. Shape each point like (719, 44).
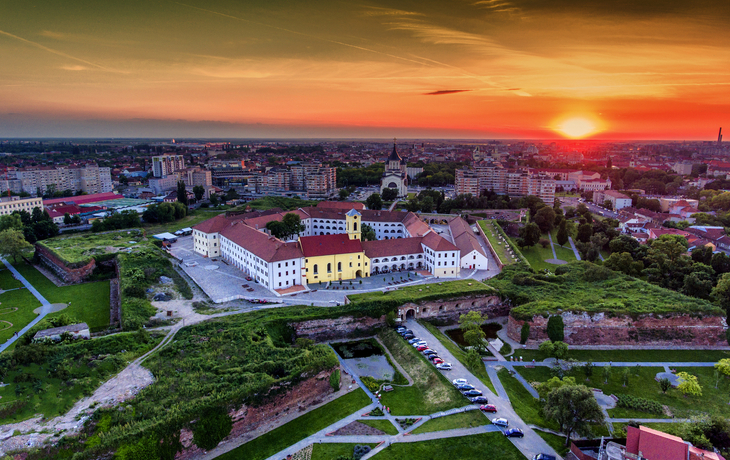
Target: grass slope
(431, 392)
(469, 419)
(426, 292)
(499, 246)
(79, 249)
(475, 447)
(630, 355)
(306, 425)
(332, 451)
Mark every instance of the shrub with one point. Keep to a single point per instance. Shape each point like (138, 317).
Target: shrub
(638, 403)
(134, 290)
(525, 333)
(370, 383)
(360, 451)
(555, 328)
(211, 428)
(335, 379)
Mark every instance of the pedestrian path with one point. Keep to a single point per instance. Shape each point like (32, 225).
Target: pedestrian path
(521, 379)
(552, 246)
(501, 392)
(575, 251)
(45, 305)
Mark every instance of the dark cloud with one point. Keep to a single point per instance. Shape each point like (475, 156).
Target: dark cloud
(446, 91)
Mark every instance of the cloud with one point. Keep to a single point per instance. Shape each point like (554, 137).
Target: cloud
(75, 68)
(378, 11)
(446, 91)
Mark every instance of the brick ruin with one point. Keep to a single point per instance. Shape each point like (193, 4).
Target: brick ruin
(603, 329)
(67, 274)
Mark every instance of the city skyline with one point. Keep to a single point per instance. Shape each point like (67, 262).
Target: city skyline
(513, 69)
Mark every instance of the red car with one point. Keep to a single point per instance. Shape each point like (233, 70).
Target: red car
(438, 361)
(488, 408)
(422, 347)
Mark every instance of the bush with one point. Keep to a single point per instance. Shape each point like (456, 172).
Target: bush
(525, 333)
(360, 451)
(335, 379)
(370, 383)
(211, 428)
(135, 291)
(640, 404)
(555, 328)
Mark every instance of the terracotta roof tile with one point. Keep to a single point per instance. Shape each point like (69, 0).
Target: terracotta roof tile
(261, 244)
(394, 247)
(325, 245)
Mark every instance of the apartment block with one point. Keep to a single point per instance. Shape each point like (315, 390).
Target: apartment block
(512, 182)
(89, 179)
(318, 181)
(164, 165)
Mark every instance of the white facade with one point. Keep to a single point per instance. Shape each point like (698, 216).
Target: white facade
(474, 260)
(206, 244)
(272, 275)
(12, 204)
(443, 264)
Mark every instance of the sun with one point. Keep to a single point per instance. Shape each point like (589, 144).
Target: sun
(577, 127)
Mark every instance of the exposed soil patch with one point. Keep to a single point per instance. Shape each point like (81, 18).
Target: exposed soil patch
(358, 429)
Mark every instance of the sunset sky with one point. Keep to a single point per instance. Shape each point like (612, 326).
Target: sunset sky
(631, 69)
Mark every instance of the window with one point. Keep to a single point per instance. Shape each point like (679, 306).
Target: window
(329, 268)
(358, 256)
(351, 264)
(339, 266)
(315, 269)
(287, 273)
(280, 274)
(279, 266)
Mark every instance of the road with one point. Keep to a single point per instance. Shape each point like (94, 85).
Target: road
(532, 443)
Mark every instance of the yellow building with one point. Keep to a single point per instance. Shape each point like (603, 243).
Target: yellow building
(335, 257)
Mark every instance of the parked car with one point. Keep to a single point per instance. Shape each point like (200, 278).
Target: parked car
(408, 336)
(488, 408)
(470, 393)
(437, 361)
(405, 331)
(429, 352)
(514, 433)
(479, 400)
(422, 348)
(544, 457)
(500, 422)
(420, 343)
(443, 366)
(432, 357)
(459, 382)
(414, 340)
(248, 278)
(465, 387)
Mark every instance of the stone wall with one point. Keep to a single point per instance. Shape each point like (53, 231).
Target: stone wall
(447, 310)
(252, 421)
(58, 267)
(602, 329)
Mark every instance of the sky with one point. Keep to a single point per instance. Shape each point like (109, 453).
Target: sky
(626, 69)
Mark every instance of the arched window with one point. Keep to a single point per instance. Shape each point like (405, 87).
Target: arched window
(375, 261)
(329, 268)
(339, 266)
(316, 269)
(354, 226)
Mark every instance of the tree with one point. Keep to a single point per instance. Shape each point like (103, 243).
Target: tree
(367, 233)
(665, 384)
(553, 384)
(66, 219)
(473, 361)
(12, 243)
(374, 202)
(427, 204)
(557, 350)
(344, 194)
(556, 328)
(182, 194)
(211, 428)
(562, 233)
(525, 333)
(688, 384)
(530, 234)
(13, 220)
(606, 373)
(721, 292)
(699, 282)
(702, 254)
(293, 224)
(723, 366)
(389, 194)
(585, 231)
(545, 219)
(625, 376)
(573, 407)
(277, 229)
(199, 192)
(471, 324)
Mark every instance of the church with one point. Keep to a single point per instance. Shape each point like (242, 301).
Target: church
(395, 175)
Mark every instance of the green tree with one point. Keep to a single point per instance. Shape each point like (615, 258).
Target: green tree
(214, 200)
(12, 243)
(545, 219)
(721, 292)
(688, 384)
(344, 194)
(211, 428)
(553, 384)
(13, 220)
(606, 373)
(367, 233)
(182, 194)
(585, 231)
(556, 328)
(573, 407)
(293, 224)
(665, 384)
(277, 229)
(562, 233)
(427, 204)
(473, 361)
(374, 202)
(525, 333)
(389, 194)
(699, 282)
(471, 325)
(723, 366)
(66, 219)
(199, 192)
(144, 449)
(530, 234)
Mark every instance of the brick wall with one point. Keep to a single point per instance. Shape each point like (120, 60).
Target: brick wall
(59, 268)
(601, 329)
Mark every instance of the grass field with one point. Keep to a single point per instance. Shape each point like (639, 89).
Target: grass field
(306, 425)
(332, 451)
(555, 441)
(80, 248)
(497, 244)
(16, 306)
(468, 419)
(414, 293)
(618, 356)
(476, 447)
(89, 302)
(459, 354)
(431, 392)
(527, 407)
(382, 425)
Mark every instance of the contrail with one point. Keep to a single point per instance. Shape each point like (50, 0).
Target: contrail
(58, 53)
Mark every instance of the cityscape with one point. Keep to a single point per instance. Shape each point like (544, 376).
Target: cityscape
(487, 229)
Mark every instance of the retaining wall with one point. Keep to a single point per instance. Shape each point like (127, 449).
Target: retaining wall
(489, 245)
(59, 268)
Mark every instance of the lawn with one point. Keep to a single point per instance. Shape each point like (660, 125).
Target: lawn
(89, 302)
(618, 356)
(332, 451)
(536, 256)
(268, 202)
(527, 407)
(475, 447)
(431, 392)
(468, 419)
(458, 353)
(194, 218)
(382, 425)
(303, 426)
(555, 441)
(497, 244)
(426, 292)
(80, 248)
(16, 308)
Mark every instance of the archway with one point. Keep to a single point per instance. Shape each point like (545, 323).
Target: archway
(358, 274)
(410, 314)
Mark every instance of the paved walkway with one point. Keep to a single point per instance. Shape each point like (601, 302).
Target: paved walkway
(45, 305)
(575, 251)
(492, 373)
(552, 246)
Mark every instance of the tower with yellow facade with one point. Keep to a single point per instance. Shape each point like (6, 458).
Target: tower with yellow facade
(353, 224)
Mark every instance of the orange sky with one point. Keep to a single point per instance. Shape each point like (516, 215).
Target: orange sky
(500, 68)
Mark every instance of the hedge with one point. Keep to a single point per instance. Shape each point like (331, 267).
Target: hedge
(640, 404)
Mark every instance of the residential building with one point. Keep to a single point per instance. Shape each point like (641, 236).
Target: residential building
(87, 179)
(512, 182)
(160, 185)
(683, 168)
(617, 199)
(164, 165)
(10, 204)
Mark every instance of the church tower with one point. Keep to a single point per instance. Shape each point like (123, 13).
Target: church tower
(353, 224)
(395, 175)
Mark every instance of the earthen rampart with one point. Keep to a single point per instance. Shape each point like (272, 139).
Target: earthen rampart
(68, 275)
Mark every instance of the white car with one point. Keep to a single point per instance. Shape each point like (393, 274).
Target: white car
(420, 343)
(500, 422)
(443, 366)
(459, 382)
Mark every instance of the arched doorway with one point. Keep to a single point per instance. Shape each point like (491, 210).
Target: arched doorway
(358, 274)
(410, 314)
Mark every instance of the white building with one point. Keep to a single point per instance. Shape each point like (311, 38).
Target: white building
(472, 253)
(164, 165)
(8, 205)
(618, 200)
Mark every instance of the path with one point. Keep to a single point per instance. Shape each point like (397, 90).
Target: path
(552, 246)
(392, 206)
(45, 305)
(532, 443)
(575, 251)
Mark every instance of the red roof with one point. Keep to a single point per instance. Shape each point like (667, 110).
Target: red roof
(438, 243)
(326, 245)
(341, 205)
(83, 199)
(216, 224)
(261, 244)
(394, 247)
